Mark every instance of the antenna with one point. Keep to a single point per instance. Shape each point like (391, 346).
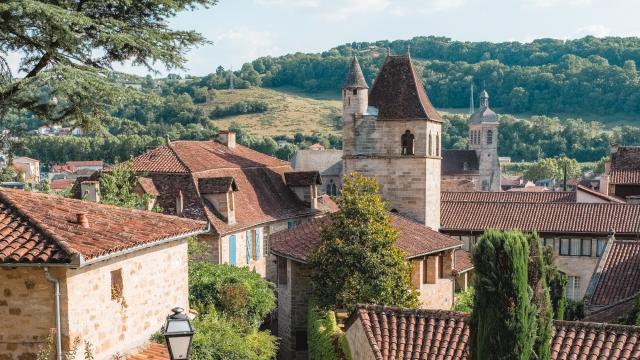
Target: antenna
(231, 76)
(472, 108)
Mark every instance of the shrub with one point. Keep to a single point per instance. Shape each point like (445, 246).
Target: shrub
(239, 108)
(324, 337)
(574, 310)
(233, 291)
(463, 300)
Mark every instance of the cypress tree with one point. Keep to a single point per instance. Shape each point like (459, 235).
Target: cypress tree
(541, 299)
(503, 322)
(557, 282)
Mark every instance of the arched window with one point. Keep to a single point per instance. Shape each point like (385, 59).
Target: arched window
(406, 140)
(437, 144)
(430, 145)
(489, 137)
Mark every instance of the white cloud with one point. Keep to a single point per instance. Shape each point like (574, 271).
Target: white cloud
(247, 44)
(291, 3)
(553, 3)
(597, 30)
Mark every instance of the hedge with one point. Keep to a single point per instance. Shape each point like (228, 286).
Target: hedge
(323, 333)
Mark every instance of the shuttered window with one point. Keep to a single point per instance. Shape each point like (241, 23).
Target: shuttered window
(232, 250)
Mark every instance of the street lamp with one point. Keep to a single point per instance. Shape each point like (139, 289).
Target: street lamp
(178, 333)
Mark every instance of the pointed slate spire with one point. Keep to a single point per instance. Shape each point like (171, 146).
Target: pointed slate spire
(355, 78)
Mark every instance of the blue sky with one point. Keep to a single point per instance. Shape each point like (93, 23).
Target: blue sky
(243, 30)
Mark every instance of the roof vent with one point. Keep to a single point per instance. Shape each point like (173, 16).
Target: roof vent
(82, 220)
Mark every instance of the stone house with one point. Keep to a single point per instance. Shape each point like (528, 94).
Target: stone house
(479, 164)
(327, 162)
(242, 193)
(30, 169)
(388, 333)
(579, 233)
(622, 173)
(101, 274)
(439, 265)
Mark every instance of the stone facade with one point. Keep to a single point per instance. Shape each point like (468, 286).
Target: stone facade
(483, 138)
(152, 282)
(433, 277)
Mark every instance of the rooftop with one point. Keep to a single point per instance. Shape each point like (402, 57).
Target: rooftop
(416, 240)
(620, 278)
(625, 165)
(460, 162)
(355, 78)
(504, 196)
(38, 228)
(397, 333)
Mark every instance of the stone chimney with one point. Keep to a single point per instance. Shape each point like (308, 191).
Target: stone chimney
(604, 184)
(90, 191)
(82, 220)
(227, 138)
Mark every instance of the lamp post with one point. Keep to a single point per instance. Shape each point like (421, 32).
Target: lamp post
(178, 333)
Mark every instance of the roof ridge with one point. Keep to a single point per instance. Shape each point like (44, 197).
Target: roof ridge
(36, 224)
(420, 88)
(178, 158)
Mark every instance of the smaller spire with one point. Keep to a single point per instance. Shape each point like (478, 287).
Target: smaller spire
(355, 77)
(484, 99)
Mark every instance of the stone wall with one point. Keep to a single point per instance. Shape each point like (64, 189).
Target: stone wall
(436, 290)
(293, 305)
(358, 342)
(26, 310)
(154, 281)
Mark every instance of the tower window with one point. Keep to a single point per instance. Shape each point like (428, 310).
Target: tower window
(407, 140)
(430, 145)
(489, 137)
(355, 91)
(437, 144)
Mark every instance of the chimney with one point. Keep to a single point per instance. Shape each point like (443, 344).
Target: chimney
(604, 184)
(179, 203)
(82, 220)
(90, 191)
(227, 138)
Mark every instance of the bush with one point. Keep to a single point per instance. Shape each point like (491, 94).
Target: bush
(574, 310)
(219, 338)
(233, 291)
(324, 337)
(463, 300)
(239, 108)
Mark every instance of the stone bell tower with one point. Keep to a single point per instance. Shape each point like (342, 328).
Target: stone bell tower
(483, 138)
(393, 133)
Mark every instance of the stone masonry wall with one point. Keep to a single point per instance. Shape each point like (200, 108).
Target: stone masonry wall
(154, 281)
(27, 311)
(293, 305)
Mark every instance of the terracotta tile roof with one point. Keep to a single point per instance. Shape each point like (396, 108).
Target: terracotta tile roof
(146, 184)
(463, 262)
(615, 313)
(414, 239)
(262, 194)
(459, 162)
(217, 185)
(61, 184)
(396, 333)
(302, 178)
(152, 351)
(326, 204)
(511, 180)
(620, 278)
(600, 195)
(625, 165)
(75, 164)
(398, 92)
(503, 196)
(39, 228)
(598, 218)
(529, 189)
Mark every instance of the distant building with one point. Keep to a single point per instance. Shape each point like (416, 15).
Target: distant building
(622, 173)
(327, 162)
(28, 169)
(316, 147)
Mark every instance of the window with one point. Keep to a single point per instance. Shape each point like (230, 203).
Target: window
(564, 247)
(573, 287)
(430, 144)
(282, 271)
(425, 271)
(355, 91)
(586, 247)
(406, 141)
(116, 284)
(575, 247)
(290, 225)
(489, 137)
(601, 244)
(232, 250)
(257, 250)
(437, 144)
(441, 266)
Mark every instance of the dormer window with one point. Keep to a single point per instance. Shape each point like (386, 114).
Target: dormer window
(219, 192)
(407, 139)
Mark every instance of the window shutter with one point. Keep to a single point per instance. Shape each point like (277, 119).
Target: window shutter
(258, 245)
(248, 241)
(232, 250)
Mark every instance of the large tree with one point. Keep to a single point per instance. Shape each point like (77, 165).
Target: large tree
(358, 261)
(541, 298)
(503, 321)
(67, 49)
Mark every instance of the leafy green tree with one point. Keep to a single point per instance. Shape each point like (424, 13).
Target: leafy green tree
(117, 185)
(358, 261)
(543, 169)
(67, 49)
(541, 298)
(503, 321)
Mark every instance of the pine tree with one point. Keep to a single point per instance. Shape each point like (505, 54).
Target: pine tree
(541, 298)
(503, 321)
(358, 261)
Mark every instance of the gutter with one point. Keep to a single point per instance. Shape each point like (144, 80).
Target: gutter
(56, 286)
(434, 251)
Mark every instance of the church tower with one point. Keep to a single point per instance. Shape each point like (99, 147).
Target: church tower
(483, 138)
(393, 133)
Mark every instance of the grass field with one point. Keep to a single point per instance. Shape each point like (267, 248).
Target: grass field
(289, 111)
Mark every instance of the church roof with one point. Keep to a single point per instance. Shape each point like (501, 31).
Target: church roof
(355, 78)
(399, 94)
(459, 162)
(484, 114)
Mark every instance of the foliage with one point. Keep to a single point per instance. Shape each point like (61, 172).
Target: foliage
(358, 261)
(633, 317)
(324, 336)
(221, 338)
(503, 321)
(233, 291)
(7, 174)
(67, 49)
(463, 300)
(242, 107)
(117, 185)
(557, 283)
(541, 298)
(553, 168)
(574, 310)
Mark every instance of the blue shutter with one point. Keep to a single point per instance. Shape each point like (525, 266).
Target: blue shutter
(232, 249)
(248, 236)
(289, 224)
(258, 246)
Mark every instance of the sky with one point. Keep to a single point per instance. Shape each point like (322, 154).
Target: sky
(242, 30)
